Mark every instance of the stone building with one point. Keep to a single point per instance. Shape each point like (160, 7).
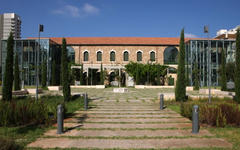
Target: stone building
(115, 52)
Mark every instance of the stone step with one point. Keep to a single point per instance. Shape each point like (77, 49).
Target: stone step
(122, 102)
(102, 105)
(128, 116)
(124, 109)
(126, 112)
(124, 120)
(130, 143)
(128, 107)
(129, 133)
(127, 126)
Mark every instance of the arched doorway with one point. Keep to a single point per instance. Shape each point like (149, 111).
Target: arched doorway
(112, 76)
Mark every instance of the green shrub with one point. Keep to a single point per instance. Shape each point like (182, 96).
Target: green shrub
(29, 111)
(8, 144)
(170, 80)
(218, 114)
(23, 112)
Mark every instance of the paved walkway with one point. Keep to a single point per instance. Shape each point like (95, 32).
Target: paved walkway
(128, 125)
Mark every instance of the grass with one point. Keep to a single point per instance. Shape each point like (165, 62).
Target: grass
(231, 134)
(24, 135)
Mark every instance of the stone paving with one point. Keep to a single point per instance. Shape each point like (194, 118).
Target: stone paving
(128, 124)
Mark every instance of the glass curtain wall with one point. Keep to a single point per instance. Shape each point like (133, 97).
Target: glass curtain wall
(27, 55)
(197, 53)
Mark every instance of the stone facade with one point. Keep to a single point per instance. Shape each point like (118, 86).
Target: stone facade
(119, 50)
(119, 62)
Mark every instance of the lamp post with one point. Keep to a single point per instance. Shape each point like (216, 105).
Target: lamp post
(38, 50)
(209, 64)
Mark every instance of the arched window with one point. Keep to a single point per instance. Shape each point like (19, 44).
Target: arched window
(112, 56)
(152, 56)
(125, 56)
(139, 56)
(85, 56)
(170, 55)
(99, 56)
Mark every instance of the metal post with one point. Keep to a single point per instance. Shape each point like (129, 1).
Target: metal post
(191, 57)
(195, 119)
(161, 101)
(37, 65)
(206, 30)
(37, 77)
(203, 64)
(209, 72)
(217, 67)
(85, 101)
(60, 119)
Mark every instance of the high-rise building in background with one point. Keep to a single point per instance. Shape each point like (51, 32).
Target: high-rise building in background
(9, 22)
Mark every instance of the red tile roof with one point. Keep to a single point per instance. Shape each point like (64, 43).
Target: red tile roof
(118, 40)
(223, 36)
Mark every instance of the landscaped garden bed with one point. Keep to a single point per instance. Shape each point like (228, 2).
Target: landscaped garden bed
(25, 119)
(220, 112)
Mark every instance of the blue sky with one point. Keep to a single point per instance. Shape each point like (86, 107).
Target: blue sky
(123, 18)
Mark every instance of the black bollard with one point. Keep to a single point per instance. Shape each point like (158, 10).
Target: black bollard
(195, 119)
(161, 101)
(85, 101)
(60, 118)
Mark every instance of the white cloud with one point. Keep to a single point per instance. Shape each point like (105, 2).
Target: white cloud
(73, 11)
(68, 10)
(90, 9)
(190, 35)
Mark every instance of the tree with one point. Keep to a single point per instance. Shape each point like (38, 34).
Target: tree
(180, 89)
(158, 75)
(141, 73)
(81, 75)
(196, 77)
(137, 76)
(8, 74)
(44, 74)
(65, 72)
(223, 72)
(101, 76)
(230, 71)
(237, 68)
(16, 74)
(53, 75)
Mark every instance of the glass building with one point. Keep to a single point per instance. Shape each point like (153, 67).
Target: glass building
(26, 49)
(197, 53)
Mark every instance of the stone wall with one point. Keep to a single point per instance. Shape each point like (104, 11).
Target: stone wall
(119, 50)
